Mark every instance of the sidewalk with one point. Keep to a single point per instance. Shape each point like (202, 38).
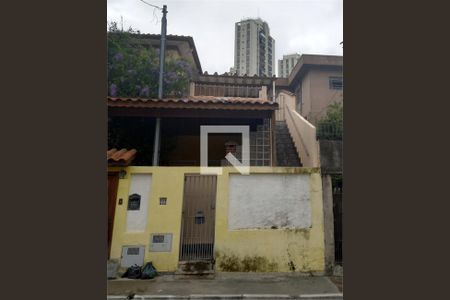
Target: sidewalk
(227, 286)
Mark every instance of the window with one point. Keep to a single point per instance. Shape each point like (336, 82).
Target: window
(336, 83)
(162, 201)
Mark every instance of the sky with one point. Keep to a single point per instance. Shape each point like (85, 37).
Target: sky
(298, 26)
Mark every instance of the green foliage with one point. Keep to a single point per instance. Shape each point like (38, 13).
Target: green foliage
(331, 126)
(133, 69)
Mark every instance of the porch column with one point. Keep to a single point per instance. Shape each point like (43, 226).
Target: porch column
(156, 142)
(273, 147)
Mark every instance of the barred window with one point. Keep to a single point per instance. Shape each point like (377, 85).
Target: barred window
(336, 83)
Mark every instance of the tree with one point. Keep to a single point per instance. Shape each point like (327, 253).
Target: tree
(133, 70)
(331, 126)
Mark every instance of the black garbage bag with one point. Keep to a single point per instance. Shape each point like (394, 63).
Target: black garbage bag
(133, 272)
(149, 271)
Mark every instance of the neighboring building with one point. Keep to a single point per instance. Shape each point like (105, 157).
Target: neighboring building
(317, 81)
(286, 64)
(254, 48)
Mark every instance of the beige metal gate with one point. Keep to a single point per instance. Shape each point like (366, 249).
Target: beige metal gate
(198, 217)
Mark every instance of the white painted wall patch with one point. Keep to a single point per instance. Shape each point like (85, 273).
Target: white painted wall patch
(269, 201)
(140, 185)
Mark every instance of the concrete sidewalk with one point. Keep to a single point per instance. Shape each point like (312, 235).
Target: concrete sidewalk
(227, 286)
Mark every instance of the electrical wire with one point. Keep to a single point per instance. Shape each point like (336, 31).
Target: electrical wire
(151, 5)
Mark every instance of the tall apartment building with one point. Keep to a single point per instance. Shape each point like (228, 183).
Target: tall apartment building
(286, 64)
(254, 48)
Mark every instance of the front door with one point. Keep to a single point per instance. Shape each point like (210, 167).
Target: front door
(198, 217)
(113, 179)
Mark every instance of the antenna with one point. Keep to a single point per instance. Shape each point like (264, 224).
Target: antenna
(258, 12)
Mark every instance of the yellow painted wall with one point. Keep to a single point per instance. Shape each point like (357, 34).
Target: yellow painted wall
(236, 250)
(271, 249)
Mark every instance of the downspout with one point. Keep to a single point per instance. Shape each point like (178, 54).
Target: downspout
(273, 91)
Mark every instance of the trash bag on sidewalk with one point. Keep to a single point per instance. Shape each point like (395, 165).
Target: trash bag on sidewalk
(149, 271)
(133, 272)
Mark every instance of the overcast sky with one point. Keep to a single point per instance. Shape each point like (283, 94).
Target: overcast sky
(302, 26)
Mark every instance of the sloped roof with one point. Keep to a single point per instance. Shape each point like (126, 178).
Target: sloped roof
(307, 61)
(120, 157)
(172, 38)
(196, 102)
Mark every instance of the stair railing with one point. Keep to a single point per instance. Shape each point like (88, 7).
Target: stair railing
(303, 134)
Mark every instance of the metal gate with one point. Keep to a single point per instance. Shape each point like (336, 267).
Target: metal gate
(198, 217)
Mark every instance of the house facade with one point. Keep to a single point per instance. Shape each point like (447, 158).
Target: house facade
(270, 219)
(171, 235)
(225, 179)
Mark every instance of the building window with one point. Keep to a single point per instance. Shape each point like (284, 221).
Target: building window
(336, 83)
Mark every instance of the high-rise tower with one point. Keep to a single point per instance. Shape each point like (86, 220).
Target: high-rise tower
(254, 48)
(286, 64)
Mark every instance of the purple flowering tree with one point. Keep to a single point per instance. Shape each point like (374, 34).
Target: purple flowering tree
(133, 69)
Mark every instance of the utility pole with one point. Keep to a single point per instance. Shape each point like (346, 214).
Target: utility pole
(162, 58)
(162, 51)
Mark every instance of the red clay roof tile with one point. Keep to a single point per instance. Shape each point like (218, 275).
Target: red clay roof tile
(120, 157)
(193, 101)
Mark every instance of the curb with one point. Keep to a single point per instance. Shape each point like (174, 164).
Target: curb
(336, 296)
(322, 296)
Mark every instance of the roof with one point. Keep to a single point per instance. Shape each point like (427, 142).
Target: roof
(121, 157)
(196, 102)
(228, 78)
(307, 61)
(174, 38)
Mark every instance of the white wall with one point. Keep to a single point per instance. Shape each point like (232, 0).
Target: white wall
(269, 200)
(137, 219)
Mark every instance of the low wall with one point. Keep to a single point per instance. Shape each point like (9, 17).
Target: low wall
(269, 239)
(331, 156)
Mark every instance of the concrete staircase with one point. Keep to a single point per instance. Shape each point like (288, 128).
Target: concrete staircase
(286, 153)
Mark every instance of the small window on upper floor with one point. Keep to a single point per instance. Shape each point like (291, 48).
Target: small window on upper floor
(336, 83)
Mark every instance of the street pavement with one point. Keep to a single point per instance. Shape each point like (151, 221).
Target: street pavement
(227, 286)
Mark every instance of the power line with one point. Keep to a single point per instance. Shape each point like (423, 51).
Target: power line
(151, 5)
(155, 18)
